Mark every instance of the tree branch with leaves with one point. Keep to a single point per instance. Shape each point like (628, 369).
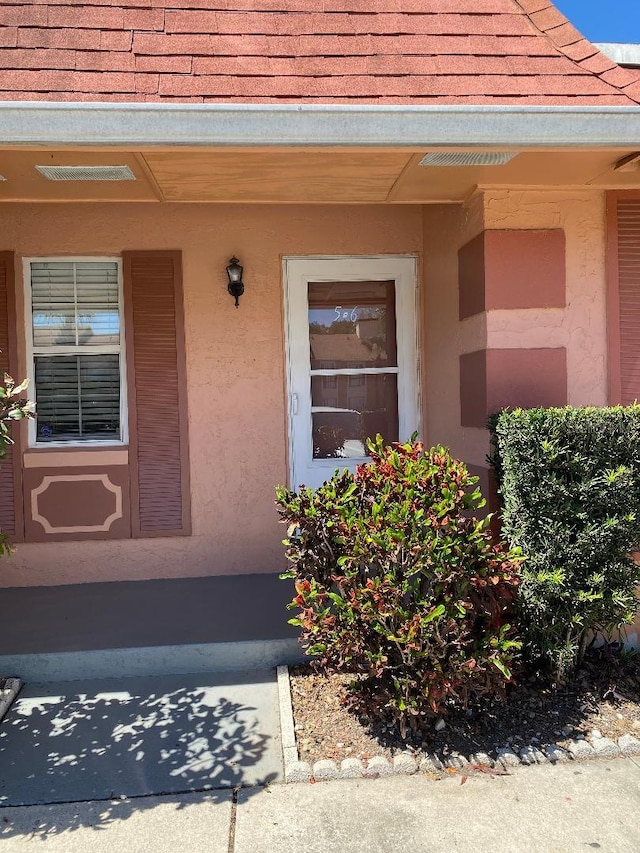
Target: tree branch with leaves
(14, 406)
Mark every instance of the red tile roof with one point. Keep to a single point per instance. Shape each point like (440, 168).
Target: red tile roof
(340, 51)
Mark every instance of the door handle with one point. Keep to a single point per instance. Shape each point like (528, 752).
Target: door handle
(294, 404)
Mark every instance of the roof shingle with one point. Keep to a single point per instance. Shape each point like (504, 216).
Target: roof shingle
(351, 51)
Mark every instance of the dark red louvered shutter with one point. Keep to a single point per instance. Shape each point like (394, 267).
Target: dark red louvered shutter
(624, 298)
(158, 439)
(11, 519)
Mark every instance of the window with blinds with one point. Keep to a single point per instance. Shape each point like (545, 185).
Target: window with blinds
(77, 350)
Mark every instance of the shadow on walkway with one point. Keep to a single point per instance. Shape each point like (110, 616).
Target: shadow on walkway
(135, 738)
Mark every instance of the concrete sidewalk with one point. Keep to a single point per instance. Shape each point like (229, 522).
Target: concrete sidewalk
(85, 740)
(562, 809)
(571, 807)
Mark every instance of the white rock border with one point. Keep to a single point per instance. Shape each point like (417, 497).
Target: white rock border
(405, 763)
(8, 693)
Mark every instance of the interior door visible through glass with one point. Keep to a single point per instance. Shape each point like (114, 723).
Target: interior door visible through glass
(354, 366)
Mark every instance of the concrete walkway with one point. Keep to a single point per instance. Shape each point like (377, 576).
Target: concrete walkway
(571, 807)
(134, 737)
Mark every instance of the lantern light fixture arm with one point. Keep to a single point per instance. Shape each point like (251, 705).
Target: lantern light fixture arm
(234, 274)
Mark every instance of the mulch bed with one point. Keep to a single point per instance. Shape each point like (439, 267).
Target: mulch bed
(604, 696)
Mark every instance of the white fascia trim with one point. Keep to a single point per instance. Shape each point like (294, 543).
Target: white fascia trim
(212, 125)
(623, 54)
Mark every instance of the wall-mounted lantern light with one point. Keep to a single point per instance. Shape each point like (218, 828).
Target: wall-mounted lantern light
(236, 285)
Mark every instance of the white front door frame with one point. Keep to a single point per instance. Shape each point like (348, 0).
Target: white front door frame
(297, 273)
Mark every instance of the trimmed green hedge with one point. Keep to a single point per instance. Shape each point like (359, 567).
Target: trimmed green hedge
(569, 480)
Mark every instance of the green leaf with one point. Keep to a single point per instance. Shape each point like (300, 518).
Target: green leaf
(503, 669)
(437, 611)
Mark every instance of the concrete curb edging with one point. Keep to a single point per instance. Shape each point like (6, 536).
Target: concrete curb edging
(8, 693)
(406, 763)
(287, 731)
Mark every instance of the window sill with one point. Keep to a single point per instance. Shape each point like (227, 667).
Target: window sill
(74, 457)
(69, 446)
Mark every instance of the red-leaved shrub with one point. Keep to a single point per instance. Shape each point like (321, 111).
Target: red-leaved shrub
(398, 582)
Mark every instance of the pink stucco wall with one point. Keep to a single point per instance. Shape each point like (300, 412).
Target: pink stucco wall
(446, 229)
(235, 367)
(580, 327)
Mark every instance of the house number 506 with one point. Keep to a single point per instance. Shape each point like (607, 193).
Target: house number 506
(346, 313)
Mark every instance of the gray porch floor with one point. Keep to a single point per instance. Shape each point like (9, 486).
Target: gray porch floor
(132, 737)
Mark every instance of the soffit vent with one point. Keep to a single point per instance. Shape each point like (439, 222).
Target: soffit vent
(86, 173)
(467, 158)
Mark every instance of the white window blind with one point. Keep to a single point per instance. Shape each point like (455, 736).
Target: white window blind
(77, 350)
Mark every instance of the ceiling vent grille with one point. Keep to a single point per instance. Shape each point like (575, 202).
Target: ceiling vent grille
(467, 158)
(86, 173)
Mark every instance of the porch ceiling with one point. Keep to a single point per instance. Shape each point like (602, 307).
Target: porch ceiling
(297, 175)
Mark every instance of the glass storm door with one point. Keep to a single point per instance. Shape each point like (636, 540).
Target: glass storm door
(352, 359)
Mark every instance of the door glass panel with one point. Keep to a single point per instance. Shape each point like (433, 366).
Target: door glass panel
(346, 410)
(352, 324)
